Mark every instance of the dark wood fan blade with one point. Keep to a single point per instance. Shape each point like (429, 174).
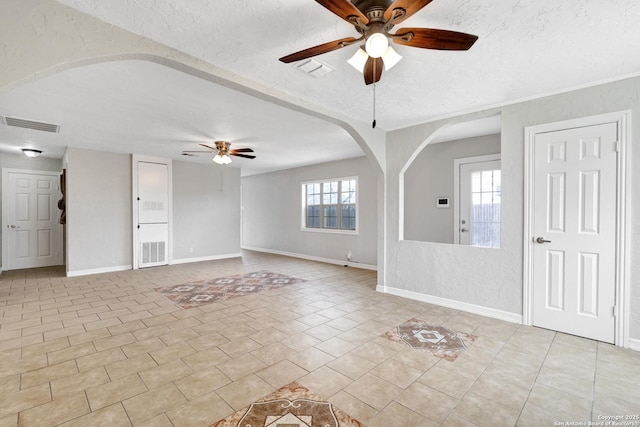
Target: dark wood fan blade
(246, 156)
(209, 147)
(241, 150)
(428, 38)
(373, 70)
(409, 6)
(317, 50)
(344, 9)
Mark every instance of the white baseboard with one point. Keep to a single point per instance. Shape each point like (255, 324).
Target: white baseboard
(313, 258)
(458, 305)
(206, 258)
(129, 267)
(99, 270)
(634, 344)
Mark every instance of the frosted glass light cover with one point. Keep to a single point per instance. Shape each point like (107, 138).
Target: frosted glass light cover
(358, 60)
(390, 58)
(221, 160)
(376, 45)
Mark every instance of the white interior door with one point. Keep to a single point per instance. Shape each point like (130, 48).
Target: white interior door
(574, 234)
(478, 201)
(32, 232)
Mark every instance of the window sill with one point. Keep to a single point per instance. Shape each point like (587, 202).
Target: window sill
(330, 231)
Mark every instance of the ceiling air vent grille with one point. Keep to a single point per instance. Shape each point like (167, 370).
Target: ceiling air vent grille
(30, 124)
(313, 68)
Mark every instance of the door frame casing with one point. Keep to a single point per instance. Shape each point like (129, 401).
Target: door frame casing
(623, 213)
(5, 237)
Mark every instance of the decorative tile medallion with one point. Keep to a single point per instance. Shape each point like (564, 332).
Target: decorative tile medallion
(291, 406)
(437, 340)
(188, 295)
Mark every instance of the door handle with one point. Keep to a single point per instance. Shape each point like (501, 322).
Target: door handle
(13, 226)
(542, 240)
(463, 230)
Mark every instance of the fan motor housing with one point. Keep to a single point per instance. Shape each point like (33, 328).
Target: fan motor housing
(365, 5)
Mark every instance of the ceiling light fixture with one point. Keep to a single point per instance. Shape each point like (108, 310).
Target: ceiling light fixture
(359, 59)
(221, 159)
(31, 152)
(376, 45)
(374, 20)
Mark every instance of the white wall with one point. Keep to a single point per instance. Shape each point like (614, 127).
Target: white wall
(99, 215)
(99, 230)
(206, 211)
(431, 175)
(493, 277)
(272, 213)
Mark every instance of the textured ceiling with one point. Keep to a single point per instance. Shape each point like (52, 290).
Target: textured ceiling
(526, 49)
(146, 108)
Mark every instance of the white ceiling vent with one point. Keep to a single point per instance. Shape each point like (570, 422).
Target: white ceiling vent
(30, 124)
(313, 68)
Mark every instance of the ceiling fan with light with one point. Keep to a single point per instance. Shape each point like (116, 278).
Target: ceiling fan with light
(374, 20)
(223, 152)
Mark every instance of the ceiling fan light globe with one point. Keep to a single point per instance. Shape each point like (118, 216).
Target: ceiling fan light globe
(221, 160)
(358, 60)
(376, 45)
(390, 58)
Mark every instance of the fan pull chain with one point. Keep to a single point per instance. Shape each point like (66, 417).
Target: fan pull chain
(222, 179)
(373, 124)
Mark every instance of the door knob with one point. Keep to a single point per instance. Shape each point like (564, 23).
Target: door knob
(463, 230)
(542, 240)
(13, 226)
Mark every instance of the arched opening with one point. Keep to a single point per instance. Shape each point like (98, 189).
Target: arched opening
(451, 186)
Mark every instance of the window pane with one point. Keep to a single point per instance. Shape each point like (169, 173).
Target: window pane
(487, 180)
(313, 189)
(313, 217)
(475, 182)
(313, 194)
(348, 217)
(485, 208)
(496, 180)
(330, 193)
(331, 216)
(348, 191)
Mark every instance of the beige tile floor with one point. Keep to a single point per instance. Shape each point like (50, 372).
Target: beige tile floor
(108, 350)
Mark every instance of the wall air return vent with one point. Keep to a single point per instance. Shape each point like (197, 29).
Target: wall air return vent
(153, 252)
(30, 124)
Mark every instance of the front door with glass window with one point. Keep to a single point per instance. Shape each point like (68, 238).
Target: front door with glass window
(478, 201)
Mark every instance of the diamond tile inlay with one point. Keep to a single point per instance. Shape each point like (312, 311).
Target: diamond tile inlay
(188, 295)
(290, 406)
(437, 340)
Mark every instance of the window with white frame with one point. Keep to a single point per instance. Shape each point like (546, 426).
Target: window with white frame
(330, 205)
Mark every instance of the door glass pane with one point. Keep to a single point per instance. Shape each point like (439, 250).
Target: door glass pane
(485, 208)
